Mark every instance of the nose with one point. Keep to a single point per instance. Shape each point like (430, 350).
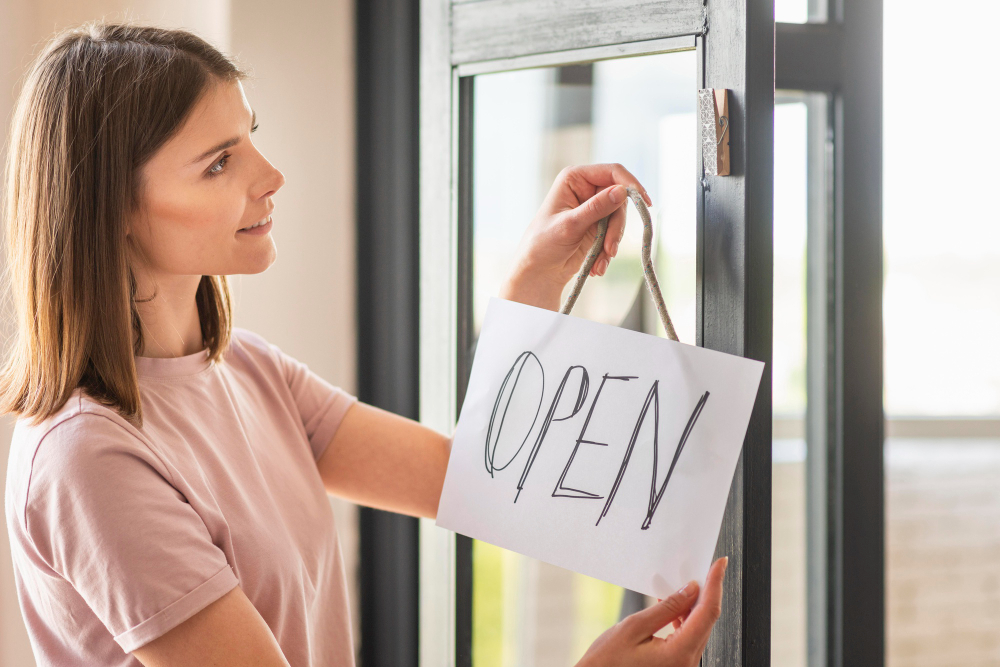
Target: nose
(278, 180)
(272, 181)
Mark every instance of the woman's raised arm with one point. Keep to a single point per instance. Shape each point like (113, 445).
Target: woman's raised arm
(383, 460)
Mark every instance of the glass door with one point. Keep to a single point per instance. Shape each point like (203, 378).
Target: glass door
(511, 92)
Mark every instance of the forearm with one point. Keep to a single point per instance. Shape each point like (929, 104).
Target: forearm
(383, 460)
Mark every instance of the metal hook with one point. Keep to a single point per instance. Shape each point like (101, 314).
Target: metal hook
(724, 122)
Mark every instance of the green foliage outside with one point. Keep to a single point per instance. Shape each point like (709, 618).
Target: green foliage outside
(596, 605)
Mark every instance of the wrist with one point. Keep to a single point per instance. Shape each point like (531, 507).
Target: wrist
(532, 290)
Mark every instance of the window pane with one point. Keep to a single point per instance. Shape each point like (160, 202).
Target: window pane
(528, 125)
(942, 361)
(788, 499)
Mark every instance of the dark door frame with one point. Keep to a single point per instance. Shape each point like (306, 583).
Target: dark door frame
(388, 300)
(842, 57)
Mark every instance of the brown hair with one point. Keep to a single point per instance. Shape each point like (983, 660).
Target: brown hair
(96, 105)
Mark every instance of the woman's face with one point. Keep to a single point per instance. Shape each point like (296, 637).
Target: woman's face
(203, 188)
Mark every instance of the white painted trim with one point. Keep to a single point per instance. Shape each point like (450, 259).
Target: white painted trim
(438, 314)
(492, 29)
(578, 56)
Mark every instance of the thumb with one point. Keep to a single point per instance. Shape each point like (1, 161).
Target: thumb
(643, 624)
(601, 205)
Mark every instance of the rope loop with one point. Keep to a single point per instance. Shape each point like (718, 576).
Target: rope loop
(647, 265)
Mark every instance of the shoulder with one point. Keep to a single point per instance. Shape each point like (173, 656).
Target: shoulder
(253, 350)
(249, 339)
(80, 418)
(252, 346)
(84, 443)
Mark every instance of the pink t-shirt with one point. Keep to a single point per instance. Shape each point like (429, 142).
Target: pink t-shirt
(120, 534)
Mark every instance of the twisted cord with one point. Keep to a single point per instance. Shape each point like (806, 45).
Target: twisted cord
(647, 265)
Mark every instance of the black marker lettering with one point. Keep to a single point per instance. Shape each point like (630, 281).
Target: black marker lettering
(549, 418)
(564, 492)
(519, 364)
(654, 496)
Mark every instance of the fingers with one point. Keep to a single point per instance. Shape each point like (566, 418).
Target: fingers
(693, 634)
(586, 179)
(613, 237)
(578, 220)
(599, 189)
(616, 229)
(643, 624)
(600, 205)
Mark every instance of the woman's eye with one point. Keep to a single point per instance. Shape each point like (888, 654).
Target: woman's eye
(217, 167)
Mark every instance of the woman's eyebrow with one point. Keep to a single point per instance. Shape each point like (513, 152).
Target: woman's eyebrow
(229, 143)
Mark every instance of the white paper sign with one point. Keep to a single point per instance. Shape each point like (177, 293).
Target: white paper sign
(602, 450)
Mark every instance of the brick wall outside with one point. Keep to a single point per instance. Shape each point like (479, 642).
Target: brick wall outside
(942, 555)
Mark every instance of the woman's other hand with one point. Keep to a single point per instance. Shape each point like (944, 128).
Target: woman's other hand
(631, 642)
(557, 240)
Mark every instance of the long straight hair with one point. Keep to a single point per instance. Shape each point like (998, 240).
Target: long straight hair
(95, 106)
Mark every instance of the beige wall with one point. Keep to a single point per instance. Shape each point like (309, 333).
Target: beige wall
(303, 93)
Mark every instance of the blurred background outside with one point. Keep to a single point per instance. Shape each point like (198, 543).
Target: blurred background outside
(941, 312)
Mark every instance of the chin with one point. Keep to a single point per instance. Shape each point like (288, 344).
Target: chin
(254, 265)
(260, 267)
(261, 262)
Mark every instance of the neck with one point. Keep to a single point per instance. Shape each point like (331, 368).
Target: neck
(170, 323)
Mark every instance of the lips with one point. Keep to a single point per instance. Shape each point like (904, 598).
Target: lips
(259, 223)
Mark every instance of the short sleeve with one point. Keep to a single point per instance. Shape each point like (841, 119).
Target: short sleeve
(102, 512)
(321, 405)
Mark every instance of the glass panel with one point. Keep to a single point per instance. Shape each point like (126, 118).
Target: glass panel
(788, 499)
(942, 361)
(799, 497)
(800, 11)
(802, 174)
(528, 125)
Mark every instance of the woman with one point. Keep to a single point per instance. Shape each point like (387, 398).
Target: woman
(166, 491)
